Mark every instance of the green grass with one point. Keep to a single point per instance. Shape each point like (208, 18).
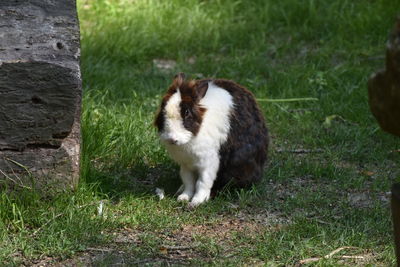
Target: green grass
(307, 205)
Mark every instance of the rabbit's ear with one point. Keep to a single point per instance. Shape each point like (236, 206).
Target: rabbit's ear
(179, 79)
(202, 90)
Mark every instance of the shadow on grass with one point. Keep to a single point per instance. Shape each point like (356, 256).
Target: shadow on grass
(138, 180)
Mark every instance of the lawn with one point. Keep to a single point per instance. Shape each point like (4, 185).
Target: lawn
(325, 188)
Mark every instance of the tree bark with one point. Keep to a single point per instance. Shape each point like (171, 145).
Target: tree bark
(395, 203)
(40, 93)
(384, 88)
(384, 100)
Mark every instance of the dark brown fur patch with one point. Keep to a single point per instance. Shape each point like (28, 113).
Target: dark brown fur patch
(160, 117)
(191, 112)
(243, 156)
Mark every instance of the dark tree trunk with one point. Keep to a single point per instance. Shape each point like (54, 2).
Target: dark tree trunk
(396, 218)
(384, 88)
(40, 93)
(384, 100)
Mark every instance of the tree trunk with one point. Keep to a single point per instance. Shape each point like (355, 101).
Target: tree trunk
(384, 100)
(384, 88)
(395, 202)
(40, 93)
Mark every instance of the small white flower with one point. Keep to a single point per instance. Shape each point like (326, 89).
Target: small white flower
(160, 193)
(100, 208)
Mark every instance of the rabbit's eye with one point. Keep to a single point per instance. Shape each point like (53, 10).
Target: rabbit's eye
(187, 113)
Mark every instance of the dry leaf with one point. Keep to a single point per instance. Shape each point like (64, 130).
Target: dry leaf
(368, 173)
(163, 250)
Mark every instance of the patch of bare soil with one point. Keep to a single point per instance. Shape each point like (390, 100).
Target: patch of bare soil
(179, 247)
(188, 241)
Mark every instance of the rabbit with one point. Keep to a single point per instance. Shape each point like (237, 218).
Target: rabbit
(215, 131)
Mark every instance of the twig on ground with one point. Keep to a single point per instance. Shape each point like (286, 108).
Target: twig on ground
(309, 260)
(337, 251)
(330, 255)
(353, 257)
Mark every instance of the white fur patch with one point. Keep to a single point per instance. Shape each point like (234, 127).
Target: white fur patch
(198, 156)
(173, 127)
(216, 124)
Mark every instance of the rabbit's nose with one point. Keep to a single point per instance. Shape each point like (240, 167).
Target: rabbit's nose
(172, 141)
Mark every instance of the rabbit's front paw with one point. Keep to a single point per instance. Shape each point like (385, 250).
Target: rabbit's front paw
(183, 197)
(198, 199)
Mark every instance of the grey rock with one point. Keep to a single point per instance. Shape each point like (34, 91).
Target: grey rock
(40, 93)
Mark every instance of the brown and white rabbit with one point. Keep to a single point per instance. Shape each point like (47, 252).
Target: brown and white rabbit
(215, 131)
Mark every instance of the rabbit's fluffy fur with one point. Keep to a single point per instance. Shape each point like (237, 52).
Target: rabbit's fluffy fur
(214, 130)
